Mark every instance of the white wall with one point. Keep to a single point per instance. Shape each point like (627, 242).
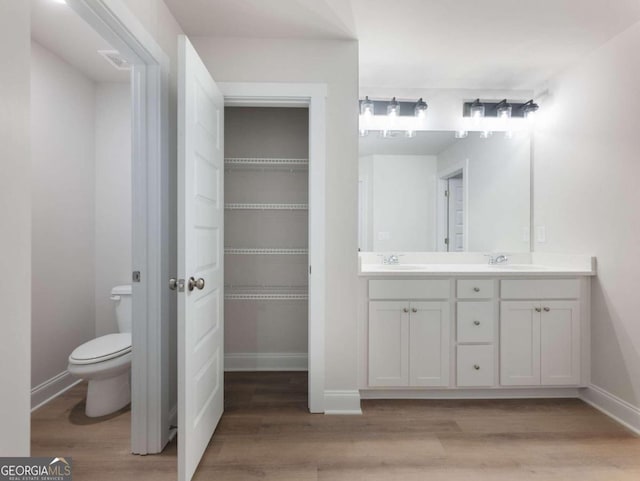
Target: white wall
(499, 206)
(586, 194)
(112, 198)
(336, 64)
(15, 218)
(403, 198)
(63, 254)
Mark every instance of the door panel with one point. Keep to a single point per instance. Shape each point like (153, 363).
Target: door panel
(519, 344)
(560, 343)
(388, 343)
(429, 330)
(200, 255)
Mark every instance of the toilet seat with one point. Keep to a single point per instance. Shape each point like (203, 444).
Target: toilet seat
(102, 349)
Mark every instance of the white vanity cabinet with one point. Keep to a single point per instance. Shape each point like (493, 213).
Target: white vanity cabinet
(540, 343)
(475, 334)
(408, 340)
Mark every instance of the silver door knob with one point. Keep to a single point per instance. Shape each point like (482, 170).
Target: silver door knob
(173, 283)
(406, 309)
(476, 323)
(476, 289)
(413, 309)
(476, 367)
(546, 309)
(193, 283)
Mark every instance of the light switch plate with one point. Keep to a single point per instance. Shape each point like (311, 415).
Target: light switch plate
(541, 234)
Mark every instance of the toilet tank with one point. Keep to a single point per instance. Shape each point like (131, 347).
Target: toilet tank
(121, 295)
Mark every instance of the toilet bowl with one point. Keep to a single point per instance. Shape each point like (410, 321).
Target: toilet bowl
(106, 362)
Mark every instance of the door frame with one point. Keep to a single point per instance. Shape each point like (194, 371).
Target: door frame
(443, 176)
(150, 418)
(313, 96)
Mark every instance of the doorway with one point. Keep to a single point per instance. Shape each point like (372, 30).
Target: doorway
(453, 208)
(455, 214)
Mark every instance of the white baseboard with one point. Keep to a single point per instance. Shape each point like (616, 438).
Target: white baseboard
(52, 388)
(342, 402)
(276, 361)
(621, 411)
(518, 393)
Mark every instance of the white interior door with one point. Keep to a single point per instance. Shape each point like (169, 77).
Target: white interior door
(200, 259)
(456, 214)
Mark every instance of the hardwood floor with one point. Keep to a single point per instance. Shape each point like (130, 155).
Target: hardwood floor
(267, 434)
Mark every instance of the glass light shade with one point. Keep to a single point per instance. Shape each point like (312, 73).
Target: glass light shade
(530, 109)
(485, 134)
(461, 134)
(367, 107)
(504, 110)
(393, 109)
(477, 109)
(420, 109)
(410, 134)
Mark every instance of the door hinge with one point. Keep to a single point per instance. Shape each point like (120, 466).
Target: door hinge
(135, 277)
(446, 241)
(309, 270)
(446, 193)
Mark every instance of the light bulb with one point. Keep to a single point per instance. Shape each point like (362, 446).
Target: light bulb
(504, 109)
(410, 134)
(477, 109)
(485, 134)
(530, 109)
(420, 109)
(367, 107)
(393, 109)
(364, 132)
(461, 134)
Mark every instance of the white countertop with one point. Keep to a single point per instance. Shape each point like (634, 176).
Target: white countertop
(474, 264)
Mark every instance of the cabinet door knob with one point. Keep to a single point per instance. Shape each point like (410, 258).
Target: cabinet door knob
(414, 309)
(538, 309)
(476, 367)
(476, 323)
(546, 309)
(405, 309)
(476, 289)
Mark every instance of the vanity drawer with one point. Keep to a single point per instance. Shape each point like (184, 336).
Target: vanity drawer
(409, 289)
(475, 321)
(475, 366)
(475, 289)
(540, 289)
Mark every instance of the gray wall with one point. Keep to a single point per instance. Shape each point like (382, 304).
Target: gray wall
(15, 216)
(63, 186)
(586, 194)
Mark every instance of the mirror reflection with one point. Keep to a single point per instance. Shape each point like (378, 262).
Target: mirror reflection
(436, 192)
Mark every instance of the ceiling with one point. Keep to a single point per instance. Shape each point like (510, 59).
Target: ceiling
(424, 143)
(59, 29)
(472, 44)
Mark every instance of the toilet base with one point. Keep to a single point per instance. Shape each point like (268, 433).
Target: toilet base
(106, 396)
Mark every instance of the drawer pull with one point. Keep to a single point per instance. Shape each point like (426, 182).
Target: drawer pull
(476, 323)
(546, 309)
(476, 367)
(414, 309)
(406, 309)
(476, 289)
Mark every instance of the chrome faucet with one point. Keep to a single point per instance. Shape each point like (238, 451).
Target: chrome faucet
(391, 259)
(499, 259)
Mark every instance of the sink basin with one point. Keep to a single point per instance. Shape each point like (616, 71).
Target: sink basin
(518, 267)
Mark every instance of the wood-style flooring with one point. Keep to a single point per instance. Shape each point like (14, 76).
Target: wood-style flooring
(267, 434)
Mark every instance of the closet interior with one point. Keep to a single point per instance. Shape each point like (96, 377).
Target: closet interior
(266, 238)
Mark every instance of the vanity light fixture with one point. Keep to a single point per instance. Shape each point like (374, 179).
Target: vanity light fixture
(477, 109)
(393, 109)
(503, 109)
(367, 107)
(420, 109)
(529, 109)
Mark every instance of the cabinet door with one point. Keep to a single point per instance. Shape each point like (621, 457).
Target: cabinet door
(519, 343)
(560, 343)
(429, 328)
(388, 343)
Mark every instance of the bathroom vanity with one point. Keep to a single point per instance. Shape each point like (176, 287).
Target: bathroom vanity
(447, 325)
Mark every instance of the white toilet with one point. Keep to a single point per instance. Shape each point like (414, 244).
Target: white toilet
(106, 362)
